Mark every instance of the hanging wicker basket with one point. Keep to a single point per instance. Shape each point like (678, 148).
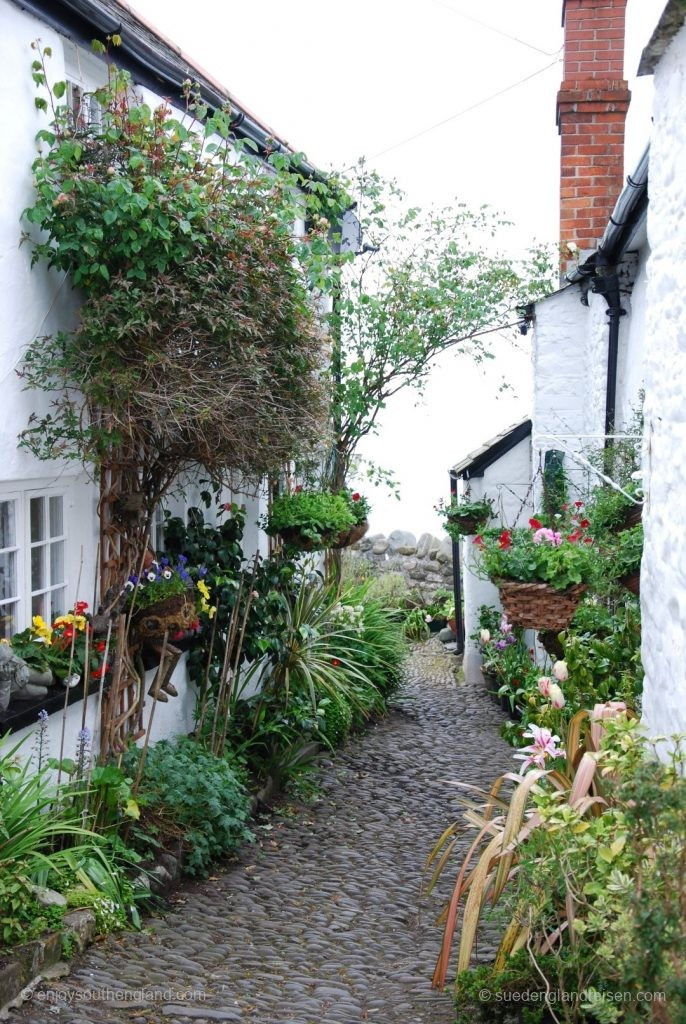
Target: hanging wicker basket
(467, 525)
(538, 605)
(171, 615)
(633, 516)
(293, 537)
(632, 582)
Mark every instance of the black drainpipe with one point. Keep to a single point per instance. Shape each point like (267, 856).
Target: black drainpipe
(606, 283)
(457, 580)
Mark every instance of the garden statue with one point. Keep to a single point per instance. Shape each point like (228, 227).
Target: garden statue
(17, 680)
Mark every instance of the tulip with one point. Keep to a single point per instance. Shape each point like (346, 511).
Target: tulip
(560, 671)
(557, 697)
(544, 684)
(485, 636)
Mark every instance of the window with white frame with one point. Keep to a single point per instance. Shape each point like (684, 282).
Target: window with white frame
(47, 544)
(9, 568)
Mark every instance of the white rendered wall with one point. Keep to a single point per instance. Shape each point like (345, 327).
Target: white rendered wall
(36, 301)
(507, 481)
(663, 573)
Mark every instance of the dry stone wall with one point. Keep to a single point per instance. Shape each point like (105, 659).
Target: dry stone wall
(426, 564)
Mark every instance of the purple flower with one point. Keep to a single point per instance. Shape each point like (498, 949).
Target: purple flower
(133, 579)
(164, 560)
(202, 571)
(510, 639)
(185, 576)
(500, 645)
(42, 716)
(182, 559)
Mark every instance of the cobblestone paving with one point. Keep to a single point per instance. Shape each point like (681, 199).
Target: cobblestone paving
(319, 923)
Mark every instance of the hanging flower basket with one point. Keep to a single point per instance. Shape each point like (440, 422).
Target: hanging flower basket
(467, 525)
(632, 516)
(172, 614)
(538, 605)
(352, 536)
(632, 582)
(550, 642)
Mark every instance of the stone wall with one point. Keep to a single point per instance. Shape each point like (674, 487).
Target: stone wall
(426, 564)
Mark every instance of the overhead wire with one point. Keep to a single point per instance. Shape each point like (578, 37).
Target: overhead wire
(465, 110)
(492, 28)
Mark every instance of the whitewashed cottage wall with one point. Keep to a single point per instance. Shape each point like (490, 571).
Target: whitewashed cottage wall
(36, 301)
(663, 573)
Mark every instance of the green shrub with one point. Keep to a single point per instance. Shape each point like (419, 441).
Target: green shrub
(22, 917)
(391, 591)
(337, 719)
(186, 788)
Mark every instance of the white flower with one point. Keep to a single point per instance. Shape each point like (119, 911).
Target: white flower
(167, 574)
(151, 577)
(560, 671)
(557, 697)
(485, 636)
(428, 618)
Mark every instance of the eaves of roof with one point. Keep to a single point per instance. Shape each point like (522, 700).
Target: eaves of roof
(672, 20)
(154, 61)
(475, 464)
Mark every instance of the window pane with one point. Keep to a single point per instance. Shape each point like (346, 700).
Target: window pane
(56, 517)
(57, 603)
(56, 562)
(38, 605)
(38, 580)
(7, 525)
(8, 620)
(8, 575)
(37, 519)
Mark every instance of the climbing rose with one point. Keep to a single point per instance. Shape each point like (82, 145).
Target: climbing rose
(543, 746)
(544, 684)
(560, 671)
(485, 636)
(557, 697)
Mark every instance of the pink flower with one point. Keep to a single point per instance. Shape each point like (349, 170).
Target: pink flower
(560, 671)
(548, 536)
(505, 626)
(544, 684)
(557, 697)
(543, 746)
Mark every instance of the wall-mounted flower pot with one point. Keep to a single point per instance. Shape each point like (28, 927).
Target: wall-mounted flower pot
(632, 582)
(538, 605)
(171, 615)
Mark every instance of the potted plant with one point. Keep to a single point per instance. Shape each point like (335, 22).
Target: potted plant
(165, 599)
(464, 518)
(625, 559)
(438, 610)
(541, 572)
(614, 511)
(316, 520)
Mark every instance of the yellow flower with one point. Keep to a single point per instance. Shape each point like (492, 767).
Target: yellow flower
(41, 628)
(212, 611)
(204, 590)
(71, 620)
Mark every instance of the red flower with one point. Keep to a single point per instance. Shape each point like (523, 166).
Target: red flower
(535, 525)
(578, 504)
(298, 489)
(80, 607)
(479, 541)
(98, 673)
(335, 662)
(229, 506)
(565, 507)
(515, 682)
(100, 646)
(356, 496)
(585, 523)
(505, 540)
(574, 537)
(588, 540)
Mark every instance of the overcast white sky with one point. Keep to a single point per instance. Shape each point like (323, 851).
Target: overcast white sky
(342, 79)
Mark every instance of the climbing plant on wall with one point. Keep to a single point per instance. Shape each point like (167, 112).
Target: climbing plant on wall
(197, 341)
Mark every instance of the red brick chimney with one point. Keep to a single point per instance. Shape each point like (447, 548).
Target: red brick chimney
(591, 110)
